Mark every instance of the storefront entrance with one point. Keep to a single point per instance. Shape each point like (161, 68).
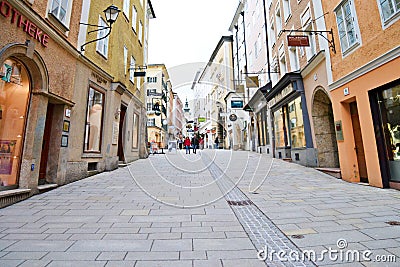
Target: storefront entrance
(46, 144)
(359, 147)
(14, 99)
(385, 104)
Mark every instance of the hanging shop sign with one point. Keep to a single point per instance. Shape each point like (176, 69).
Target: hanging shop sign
(232, 117)
(9, 12)
(298, 40)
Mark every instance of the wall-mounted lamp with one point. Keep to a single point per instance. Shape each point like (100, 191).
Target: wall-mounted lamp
(111, 14)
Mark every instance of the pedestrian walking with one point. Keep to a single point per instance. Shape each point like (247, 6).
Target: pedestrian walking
(180, 142)
(216, 142)
(195, 143)
(186, 143)
(201, 143)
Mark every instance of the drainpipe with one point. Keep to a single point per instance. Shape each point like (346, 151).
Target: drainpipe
(245, 51)
(269, 79)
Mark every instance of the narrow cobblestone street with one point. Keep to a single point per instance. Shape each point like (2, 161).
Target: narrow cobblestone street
(185, 210)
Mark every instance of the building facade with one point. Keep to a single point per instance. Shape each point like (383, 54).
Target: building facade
(37, 93)
(74, 109)
(114, 124)
(176, 118)
(216, 80)
(159, 88)
(365, 89)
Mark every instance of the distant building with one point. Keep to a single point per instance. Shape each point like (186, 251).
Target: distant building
(159, 90)
(214, 83)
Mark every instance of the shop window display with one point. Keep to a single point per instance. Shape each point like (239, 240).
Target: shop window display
(389, 104)
(14, 97)
(296, 124)
(279, 128)
(94, 121)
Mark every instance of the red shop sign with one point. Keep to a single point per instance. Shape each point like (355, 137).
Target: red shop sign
(25, 24)
(298, 40)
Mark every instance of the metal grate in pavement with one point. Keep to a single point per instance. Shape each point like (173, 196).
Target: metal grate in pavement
(240, 202)
(263, 233)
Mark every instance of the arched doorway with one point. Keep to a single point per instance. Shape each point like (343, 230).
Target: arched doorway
(324, 130)
(14, 99)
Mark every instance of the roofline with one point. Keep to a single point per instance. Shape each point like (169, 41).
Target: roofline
(214, 54)
(237, 13)
(195, 79)
(152, 10)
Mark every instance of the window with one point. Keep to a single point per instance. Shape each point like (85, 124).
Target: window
(134, 18)
(389, 108)
(125, 8)
(272, 34)
(265, 125)
(138, 83)
(151, 79)
(260, 128)
(94, 121)
(259, 40)
(282, 61)
(132, 69)
(389, 8)
(125, 59)
(278, 19)
(286, 9)
(135, 131)
(280, 123)
(140, 31)
(14, 92)
(296, 124)
(345, 18)
(59, 10)
(102, 45)
(151, 92)
(294, 60)
(311, 50)
(255, 50)
(151, 122)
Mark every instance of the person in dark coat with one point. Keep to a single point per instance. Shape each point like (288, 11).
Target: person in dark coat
(195, 143)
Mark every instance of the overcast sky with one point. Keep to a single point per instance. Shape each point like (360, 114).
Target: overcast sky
(185, 33)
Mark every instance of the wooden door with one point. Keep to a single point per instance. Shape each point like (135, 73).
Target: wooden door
(359, 147)
(46, 143)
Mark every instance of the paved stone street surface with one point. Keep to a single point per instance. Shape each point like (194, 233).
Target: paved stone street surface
(213, 208)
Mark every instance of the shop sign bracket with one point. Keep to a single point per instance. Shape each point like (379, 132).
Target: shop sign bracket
(331, 41)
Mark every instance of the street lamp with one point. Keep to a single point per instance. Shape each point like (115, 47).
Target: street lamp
(111, 14)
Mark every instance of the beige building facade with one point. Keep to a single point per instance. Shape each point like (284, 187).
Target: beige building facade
(159, 90)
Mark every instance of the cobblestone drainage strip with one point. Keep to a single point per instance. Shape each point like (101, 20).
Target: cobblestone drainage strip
(269, 240)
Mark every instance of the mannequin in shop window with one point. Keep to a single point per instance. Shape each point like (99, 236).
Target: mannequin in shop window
(395, 140)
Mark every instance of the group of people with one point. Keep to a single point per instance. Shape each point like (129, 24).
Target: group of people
(194, 143)
(197, 141)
